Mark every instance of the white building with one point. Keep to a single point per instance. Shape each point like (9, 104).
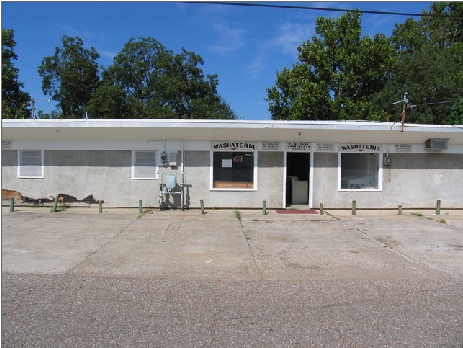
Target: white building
(233, 164)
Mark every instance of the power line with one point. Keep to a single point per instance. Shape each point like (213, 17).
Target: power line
(442, 102)
(248, 4)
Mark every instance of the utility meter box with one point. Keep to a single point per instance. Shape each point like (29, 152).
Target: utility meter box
(387, 161)
(437, 144)
(164, 158)
(172, 159)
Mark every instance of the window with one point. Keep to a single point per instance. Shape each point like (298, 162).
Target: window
(30, 164)
(233, 170)
(359, 171)
(144, 164)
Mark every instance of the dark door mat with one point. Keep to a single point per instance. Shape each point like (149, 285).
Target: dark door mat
(294, 211)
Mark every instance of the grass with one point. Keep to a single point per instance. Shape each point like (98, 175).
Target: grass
(146, 211)
(334, 217)
(442, 221)
(59, 208)
(238, 214)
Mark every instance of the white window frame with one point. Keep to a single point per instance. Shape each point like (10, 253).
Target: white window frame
(367, 189)
(134, 165)
(254, 174)
(21, 164)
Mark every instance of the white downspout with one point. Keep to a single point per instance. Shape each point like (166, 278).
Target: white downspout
(284, 178)
(183, 173)
(311, 181)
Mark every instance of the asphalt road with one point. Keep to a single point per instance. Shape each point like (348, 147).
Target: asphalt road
(78, 278)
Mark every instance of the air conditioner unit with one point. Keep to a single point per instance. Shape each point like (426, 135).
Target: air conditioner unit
(437, 144)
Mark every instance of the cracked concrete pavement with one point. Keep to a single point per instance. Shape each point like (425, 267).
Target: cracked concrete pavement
(80, 278)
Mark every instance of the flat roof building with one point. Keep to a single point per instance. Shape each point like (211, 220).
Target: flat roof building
(232, 164)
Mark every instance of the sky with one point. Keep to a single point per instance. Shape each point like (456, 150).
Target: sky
(245, 46)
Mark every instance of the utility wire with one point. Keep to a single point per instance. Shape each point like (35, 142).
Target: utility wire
(442, 102)
(249, 4)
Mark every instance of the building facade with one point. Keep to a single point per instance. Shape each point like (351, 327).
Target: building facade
(232, 164)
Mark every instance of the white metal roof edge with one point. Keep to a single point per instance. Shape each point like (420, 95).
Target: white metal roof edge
(243, 124)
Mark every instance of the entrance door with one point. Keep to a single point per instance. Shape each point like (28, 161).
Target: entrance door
(297, 178)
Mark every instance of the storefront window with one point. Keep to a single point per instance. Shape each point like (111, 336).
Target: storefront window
(359, 171)
(233, 170)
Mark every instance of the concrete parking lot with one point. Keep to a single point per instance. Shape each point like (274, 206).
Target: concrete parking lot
(231, 278)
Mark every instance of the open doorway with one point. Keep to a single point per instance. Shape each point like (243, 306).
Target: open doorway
(297, 178)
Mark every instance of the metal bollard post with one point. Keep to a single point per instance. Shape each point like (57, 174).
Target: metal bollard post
(55, 203)
(321, 209)
(140, 206)
(264, 208)
(400, 209)
(11, 204)
(438, 207)
(100, 206)
(202, 206)
(354, 207)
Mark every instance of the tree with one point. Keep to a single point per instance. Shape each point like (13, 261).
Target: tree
(337, 72)
(108, 102)
(456, 114)
(70, 76)
(14, 101)
(148, 81)
(428, 65)
(446, 26)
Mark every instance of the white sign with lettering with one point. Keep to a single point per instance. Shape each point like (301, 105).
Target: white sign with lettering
(6, 144)
(325, 147)
(403, 148)
(227, 163)
(360, 148)
(270, 146)
(234, 145)
(298, 146)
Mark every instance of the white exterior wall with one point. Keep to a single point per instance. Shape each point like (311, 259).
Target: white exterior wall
(106, 174)
(412, 180)
(101, 165)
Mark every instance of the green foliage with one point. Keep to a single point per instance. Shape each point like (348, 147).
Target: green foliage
(108, 102)
(337, 72)
(148, 81)
(70, 76)
(145, 81)
(54, 114)
(456, 114)
(428, 65)
(14, 101)
(341, 75)
(447, 28)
